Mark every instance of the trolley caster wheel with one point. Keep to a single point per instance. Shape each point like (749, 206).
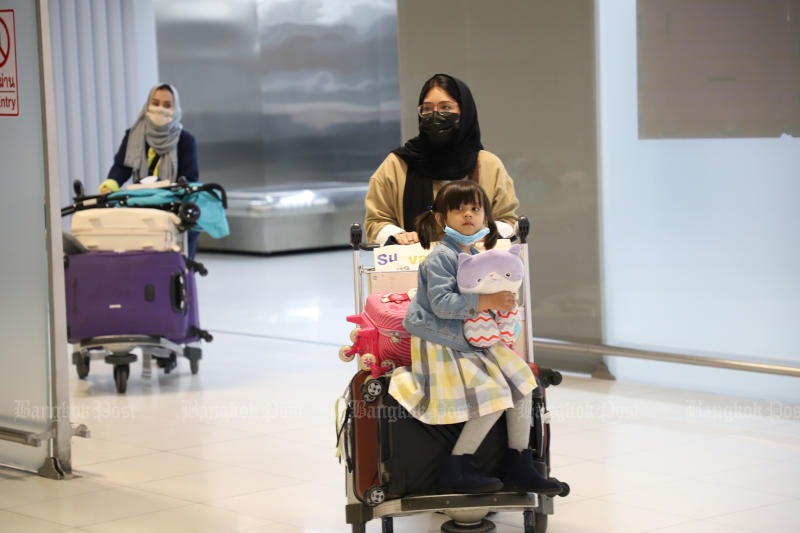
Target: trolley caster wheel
(344, 355)
(193, 354)
(121, 373)
(534, 522)
(365, 361)
(485, 526)
(354, 335)
(167, 364)
(82, 365)
(371, 390)
(375, 496)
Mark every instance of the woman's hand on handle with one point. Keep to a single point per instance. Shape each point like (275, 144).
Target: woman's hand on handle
(409, 237)
(504, 301)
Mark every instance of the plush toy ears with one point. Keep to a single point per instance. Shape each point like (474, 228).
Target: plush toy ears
(514, 249)
(463, 258)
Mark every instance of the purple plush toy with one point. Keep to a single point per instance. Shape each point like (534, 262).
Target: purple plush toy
(486, 273)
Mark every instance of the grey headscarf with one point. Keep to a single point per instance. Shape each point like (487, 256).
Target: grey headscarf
(162, 139)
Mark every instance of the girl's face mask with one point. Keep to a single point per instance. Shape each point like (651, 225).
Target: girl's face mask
(159, 116)
(466, 240)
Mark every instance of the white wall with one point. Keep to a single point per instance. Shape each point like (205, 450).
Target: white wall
(701, 248)
(104, 64)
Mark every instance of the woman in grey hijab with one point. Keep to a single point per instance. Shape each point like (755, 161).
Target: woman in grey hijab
(156, 145)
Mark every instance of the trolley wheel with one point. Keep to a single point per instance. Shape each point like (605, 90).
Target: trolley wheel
(121, 373)
(168, 364)
(564, 489)
(540, 526)
(534, 522)
(371, 389)
(344, 356)
(485, 526)
(354, 335)
(387, 365)
(194, 364)
(82, 365)
(374, 496)
(366, 360)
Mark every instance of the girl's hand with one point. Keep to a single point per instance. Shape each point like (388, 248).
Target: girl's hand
(406, 238)
(504, 301)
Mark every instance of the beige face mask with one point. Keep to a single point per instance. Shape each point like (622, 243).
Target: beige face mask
(159, 116)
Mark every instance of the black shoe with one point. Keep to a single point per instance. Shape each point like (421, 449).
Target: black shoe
(519, 473)
(458, 475)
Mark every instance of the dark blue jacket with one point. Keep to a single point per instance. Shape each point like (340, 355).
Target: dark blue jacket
(187, 159)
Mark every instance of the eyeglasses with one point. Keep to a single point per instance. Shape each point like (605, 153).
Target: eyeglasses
(426, 110)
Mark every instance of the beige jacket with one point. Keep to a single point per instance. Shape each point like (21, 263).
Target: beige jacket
(384, 200)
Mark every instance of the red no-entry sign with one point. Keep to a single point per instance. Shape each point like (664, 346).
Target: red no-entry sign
(9, 90)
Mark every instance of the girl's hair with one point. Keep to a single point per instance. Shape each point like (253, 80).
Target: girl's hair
(450, 197)
(446, 83)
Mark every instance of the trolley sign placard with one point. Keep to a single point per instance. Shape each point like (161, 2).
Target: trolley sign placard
(408, 257)
(9, 88)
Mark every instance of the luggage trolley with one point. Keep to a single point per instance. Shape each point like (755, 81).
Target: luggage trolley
(376, 486)
(178, 287)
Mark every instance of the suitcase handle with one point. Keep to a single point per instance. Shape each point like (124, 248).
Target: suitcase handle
(178, 293)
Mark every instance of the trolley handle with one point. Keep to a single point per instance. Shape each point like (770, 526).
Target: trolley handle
(355, 236)
(523, 228)
(356, 233)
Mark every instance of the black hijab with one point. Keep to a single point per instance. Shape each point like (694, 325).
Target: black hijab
(427, 162)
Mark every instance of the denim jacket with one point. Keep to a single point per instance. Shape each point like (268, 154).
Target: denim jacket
(438, 310)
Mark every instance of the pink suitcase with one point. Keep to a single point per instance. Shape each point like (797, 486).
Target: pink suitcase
(380, 340)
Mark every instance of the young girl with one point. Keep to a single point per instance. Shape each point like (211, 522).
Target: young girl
(449, 380)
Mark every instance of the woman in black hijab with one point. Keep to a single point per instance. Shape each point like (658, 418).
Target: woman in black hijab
(447, 148)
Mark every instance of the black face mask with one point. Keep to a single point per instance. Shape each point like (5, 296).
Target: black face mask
(440, 128)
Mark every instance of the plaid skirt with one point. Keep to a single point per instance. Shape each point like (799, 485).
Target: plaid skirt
(445, 386)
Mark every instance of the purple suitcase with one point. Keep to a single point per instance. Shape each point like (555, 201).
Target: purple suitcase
(130, 293)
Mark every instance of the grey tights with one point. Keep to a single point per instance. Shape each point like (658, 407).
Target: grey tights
(518, 419)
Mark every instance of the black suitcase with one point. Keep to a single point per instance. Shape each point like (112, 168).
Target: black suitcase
(391, 455)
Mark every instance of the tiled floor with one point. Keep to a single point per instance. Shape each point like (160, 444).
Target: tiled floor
(248, 443)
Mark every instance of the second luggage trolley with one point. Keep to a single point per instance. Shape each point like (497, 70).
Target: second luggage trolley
(392, 459)
(129, 284)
